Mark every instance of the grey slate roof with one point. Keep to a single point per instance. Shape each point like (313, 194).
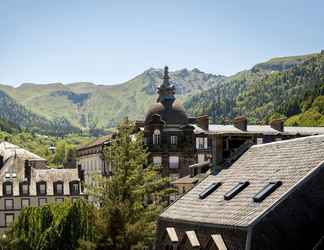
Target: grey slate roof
(288, 161)
(265, 129)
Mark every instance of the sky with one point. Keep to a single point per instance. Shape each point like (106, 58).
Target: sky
(109, 42)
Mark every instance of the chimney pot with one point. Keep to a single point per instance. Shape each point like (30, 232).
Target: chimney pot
(240, 122)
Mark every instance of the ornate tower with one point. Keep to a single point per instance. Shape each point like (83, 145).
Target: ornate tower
(166, 91)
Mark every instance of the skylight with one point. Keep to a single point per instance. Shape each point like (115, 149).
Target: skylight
(266, 191)
(209, 190)
(235, 190)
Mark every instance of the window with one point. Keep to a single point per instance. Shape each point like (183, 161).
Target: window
(145, 140)
(7, 189)
(59, 200)
(25, 202)
(42, 201)
(41, 188)
(201, 143)
(201, 158)
(173, 161)
(266, 191)
(157, 161)
(156, 137)
(58, 188)
(209, 190)
(234, 191)
(9, 204)
(259, 140)
(24, 189)
(173, 177)
(74, 188)
(9, 218)
(174, 139)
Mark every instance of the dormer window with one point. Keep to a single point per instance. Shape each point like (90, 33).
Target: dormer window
(24, 188)
(174, 140)
(7, 189)
(74, 188)
(201, 143)
(58, 188)
(41, 188)
(156, 137)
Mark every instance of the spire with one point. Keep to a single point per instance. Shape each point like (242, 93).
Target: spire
(166, 77)
(166, 91)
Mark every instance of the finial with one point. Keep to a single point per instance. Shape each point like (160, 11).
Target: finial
(166, 76)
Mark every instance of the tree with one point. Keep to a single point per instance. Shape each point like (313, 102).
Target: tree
(126, 220)
(54, 226)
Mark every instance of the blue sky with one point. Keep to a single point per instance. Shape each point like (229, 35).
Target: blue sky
(108, 42)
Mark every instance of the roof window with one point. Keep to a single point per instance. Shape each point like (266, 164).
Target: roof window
(209, 190)
(235, 190)
(266, 191)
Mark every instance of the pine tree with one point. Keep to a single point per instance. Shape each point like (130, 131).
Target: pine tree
(131, 199)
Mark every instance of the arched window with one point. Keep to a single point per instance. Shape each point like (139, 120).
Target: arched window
(156, 137)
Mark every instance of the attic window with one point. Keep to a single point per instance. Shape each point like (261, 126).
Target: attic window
(235, 190)
(266, 191)
(209, 190)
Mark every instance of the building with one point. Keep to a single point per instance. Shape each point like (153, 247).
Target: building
(270, 198)
(26, 180)
(91, 160)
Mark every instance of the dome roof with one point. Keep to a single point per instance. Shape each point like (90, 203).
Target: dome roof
(174, 115)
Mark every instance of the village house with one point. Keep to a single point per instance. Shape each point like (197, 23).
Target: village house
(177, 142)
(270, 198)
(26, 180)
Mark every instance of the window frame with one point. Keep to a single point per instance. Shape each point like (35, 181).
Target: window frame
(236, 190)
(209, 190)
(21, 188)
(266, 191)
(174, 165)
(12, 204)
(38, 185)
(72, 183)
(6, 221)
(39, 201)
(21, 202)
(157, 164)
(55, 184)
(4, 190)
(173, 139)
(156, 137)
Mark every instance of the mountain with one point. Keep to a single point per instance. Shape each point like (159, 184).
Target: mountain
(88, 105)
(287, 87)
(14, 116)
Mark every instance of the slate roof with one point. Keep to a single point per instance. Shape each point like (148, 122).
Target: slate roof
(99, 141)
(289, 161)
(263, 129)
(8, 150)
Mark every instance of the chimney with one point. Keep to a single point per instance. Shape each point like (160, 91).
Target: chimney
(203, 122)
(240, 122)
(277, 124)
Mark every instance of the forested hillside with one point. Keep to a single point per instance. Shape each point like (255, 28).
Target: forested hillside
(290, 87)
(14, 116)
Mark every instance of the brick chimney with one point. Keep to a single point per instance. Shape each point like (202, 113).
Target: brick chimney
(240, 122)
(277, 124)
(203, 122)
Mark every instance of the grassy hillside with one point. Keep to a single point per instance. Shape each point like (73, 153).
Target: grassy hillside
(14, 115)
(87, 105)
(285, 87)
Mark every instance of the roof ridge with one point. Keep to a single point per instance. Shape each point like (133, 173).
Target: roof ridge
(306, 138)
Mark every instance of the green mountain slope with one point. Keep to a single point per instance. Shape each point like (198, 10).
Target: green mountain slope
(282, 87)
(12, 113)
(87, 105)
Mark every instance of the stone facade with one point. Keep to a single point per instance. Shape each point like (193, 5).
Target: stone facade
(25, 180)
